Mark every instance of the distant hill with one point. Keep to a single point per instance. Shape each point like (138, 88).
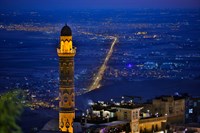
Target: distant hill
(146, 89)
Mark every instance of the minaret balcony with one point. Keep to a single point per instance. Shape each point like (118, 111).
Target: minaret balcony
(69, 53)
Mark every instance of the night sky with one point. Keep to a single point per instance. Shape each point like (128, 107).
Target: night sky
(97, 4)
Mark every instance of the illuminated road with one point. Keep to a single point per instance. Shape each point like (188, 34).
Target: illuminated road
(98, 77)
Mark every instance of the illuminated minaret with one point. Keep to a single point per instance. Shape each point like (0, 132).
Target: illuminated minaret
(66, 54)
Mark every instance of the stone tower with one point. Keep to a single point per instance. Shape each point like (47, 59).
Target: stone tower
(66, 54)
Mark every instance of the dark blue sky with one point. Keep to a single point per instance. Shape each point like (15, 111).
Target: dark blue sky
(65, 4)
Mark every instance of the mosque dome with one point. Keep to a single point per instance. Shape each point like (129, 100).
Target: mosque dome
(66, 31)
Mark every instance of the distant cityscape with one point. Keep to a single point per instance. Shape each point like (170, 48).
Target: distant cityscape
(151, 46)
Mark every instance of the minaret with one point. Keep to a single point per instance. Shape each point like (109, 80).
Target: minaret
(66, 54)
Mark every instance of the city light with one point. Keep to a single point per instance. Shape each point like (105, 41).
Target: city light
(100, 74)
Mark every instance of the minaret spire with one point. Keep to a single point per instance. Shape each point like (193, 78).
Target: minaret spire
(66, 54)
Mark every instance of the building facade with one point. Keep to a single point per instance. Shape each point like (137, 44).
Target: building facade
(66, 53)
(152, 124)
(131, 115)
(192, 111)
(171, 106)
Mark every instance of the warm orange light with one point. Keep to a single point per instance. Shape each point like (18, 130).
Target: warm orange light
(66, 90)
(66, 122)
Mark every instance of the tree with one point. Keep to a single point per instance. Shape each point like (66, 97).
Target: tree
(10, 111)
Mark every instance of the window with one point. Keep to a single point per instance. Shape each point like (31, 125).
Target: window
(171, 110)
(156, 127)
(190, 111)
(187, 115)
(136, 115)
(125, 115)
(152, 128)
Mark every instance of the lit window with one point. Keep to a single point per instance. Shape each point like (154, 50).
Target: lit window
(190, 111)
